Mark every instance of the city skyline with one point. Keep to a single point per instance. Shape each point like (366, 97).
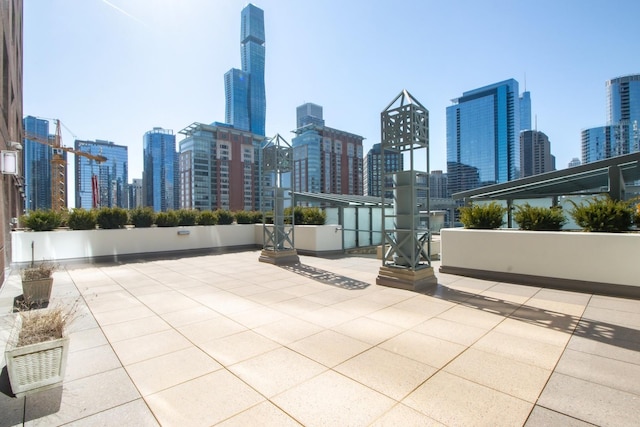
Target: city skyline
(116, 69)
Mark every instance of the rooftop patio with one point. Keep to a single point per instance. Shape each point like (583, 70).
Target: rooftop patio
(226, 340)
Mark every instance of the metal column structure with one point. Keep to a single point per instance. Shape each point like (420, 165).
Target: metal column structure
(406, 259)
(277, 167)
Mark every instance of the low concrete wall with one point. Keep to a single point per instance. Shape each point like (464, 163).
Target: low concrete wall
(570, 260)
(91, 244)
(77, 244)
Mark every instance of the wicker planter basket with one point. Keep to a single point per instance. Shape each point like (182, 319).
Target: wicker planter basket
(35, 367)
(37, 291)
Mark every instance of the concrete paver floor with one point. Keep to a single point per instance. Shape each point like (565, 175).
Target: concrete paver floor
(226, 340)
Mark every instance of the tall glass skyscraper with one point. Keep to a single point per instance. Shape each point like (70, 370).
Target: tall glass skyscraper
(112, 175)
(621, 134)
(245, 96)
(483, 143)
(160, 175)
(37, 164)
(373, 170)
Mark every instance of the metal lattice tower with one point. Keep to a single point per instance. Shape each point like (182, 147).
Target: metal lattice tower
(406, 260)
(277, 167)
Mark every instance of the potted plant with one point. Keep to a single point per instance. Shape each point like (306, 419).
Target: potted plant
(36, 351)
(37, 281)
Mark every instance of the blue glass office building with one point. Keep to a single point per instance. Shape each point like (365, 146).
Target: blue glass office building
(483, 143)
(245, 96)
(37, 164)
(160, 174)
(621, 134)
(112, 175)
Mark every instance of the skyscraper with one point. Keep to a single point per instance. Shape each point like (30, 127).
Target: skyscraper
(536, 153)
(219, 168)
(37, 157)
(245, 96)
(621, 134)
(525, 111)
(160, 175)
(327, 160)
(483, 144)
(108, 188)
(373, 170)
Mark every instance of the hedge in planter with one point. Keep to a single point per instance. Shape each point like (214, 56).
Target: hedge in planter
(142, 217)
(42, 220)
(82, 219)
(539, 218)
(112, 218)
(603, 214)
(485, 217)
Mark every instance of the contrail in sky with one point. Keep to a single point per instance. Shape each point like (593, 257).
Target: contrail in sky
(124, 12)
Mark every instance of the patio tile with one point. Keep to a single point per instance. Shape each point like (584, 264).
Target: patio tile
(543, 417)
(472, 317)
(110, 301)
(276, 371)
(385, 372)
(166, 302)
(613, 303)
(147, 346)
(135, 413)
(81, 398)
(597, 404)
(534, 331)
(327, 317)
(270, 297)
(86, 338)
(134, 328)
(91, 361)
(450, 331)
(429, 350)
(238, 347)
(264, 414)
(564, 302)
(401, 415)
(287, 330)
(331, 399)
(296, 306)
(123, 315)
(329, 348)
(455, 401)
(168, 370)
(613, 317)
(500, 373)
(368, 330)
(625, 351)
(600, 370)
(510, 293)
(203, 401)
(201, 332)
(190, 315)
(523, 350)
(256, 317)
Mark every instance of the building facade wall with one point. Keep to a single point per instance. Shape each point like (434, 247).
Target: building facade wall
(11, 131)
(37, 156)
(159, 174)
(112, 175)
(536, 153)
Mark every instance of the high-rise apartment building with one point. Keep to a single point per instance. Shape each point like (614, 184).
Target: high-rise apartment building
(101, 184)
(372, 179)
(37, 155)
(536, 153)
(11, 199)
(483, 143)
(621, 134)
(327, 160)
(439, 185)
(309, 113)
(574, 162)
(135, 193)
(160, 176)
(245, 95)
(219, 168)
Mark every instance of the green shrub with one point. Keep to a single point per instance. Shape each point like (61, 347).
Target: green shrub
(42, 220)
(206, 218)
(167, 219)
(142, 217)
(256, 217)
(82, 219)
(313, 216)
(187, 216)
(636, 218)
(539, 218)
(112, 218)
(243, 217)
(483, 216)
(603, 214)
(224, 217)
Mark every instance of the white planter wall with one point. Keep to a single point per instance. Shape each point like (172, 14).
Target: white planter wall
(77, 244)
(600, 258)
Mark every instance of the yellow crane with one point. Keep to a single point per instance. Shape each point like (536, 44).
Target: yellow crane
(59, 166)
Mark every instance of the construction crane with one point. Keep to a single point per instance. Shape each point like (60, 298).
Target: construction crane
(59, 167)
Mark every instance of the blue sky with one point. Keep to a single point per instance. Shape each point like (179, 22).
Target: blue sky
(114, 69)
